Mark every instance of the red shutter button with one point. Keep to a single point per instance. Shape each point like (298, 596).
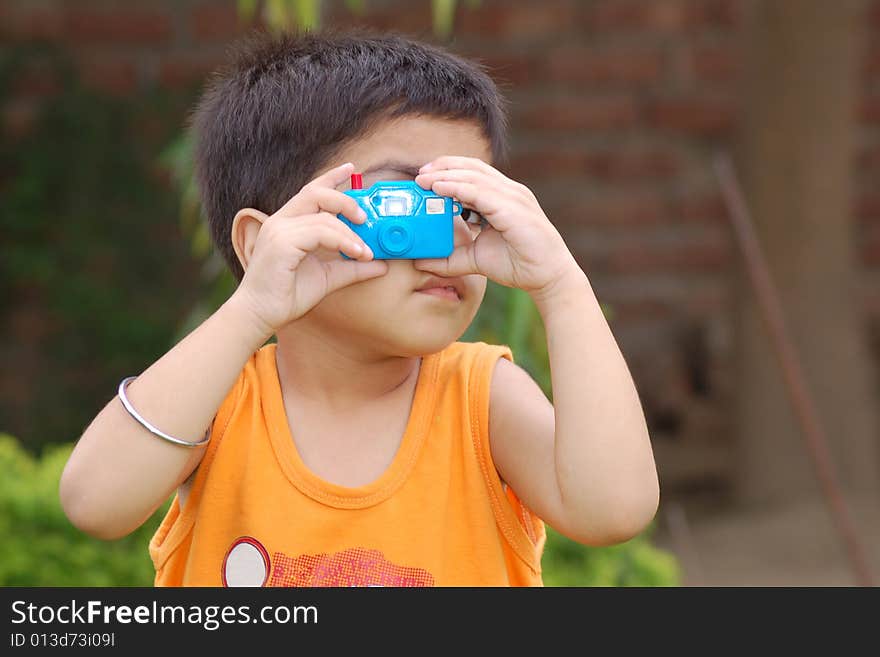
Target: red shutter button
(357, 181)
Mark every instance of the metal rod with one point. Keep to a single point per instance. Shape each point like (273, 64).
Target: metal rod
(795, 380)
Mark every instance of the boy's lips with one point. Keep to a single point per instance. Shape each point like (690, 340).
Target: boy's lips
(436, 285)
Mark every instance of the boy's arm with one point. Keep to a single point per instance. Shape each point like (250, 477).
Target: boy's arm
(583, 464)
(586, 467)
(119, 473)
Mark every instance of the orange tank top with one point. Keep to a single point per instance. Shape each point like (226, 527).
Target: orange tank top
(438, 516)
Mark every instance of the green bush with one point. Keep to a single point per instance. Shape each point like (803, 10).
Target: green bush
(634, 563)
(39, 546)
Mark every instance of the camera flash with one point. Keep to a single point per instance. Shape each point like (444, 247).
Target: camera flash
(434, 206)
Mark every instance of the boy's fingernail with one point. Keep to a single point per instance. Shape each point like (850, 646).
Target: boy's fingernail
(425, 168)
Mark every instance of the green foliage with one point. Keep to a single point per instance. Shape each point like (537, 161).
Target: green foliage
(91, 253)
(216, 281)
(634, 563)
(306, 14)
(508, 316)
(39, 546)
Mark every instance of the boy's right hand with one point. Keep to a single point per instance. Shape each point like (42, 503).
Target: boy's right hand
(284, 278)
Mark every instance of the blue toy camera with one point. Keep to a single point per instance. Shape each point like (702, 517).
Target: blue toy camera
(403, 220)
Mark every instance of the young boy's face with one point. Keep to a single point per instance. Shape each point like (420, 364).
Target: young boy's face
(387, 314)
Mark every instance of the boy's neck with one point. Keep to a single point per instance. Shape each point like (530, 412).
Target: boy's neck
(337, 375)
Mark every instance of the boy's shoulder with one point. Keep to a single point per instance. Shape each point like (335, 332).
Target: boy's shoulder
(477, 349)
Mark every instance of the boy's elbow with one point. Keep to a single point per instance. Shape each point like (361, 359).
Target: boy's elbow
(92, 523)
(634, 511)
(629, 516)
(635, 516)
(84, 516)
(97, 529)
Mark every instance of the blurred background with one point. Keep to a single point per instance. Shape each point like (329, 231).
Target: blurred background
(618, 110)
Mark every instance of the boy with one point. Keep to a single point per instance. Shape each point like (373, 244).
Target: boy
(368, 446)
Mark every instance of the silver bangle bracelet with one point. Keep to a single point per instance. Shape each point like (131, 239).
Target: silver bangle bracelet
(149, 427)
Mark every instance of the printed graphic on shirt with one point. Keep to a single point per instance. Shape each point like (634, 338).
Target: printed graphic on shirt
(247, 563)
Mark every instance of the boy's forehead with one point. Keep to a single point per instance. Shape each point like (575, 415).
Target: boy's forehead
(402, 145)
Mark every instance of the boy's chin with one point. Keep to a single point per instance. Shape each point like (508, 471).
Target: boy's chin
(423, 344)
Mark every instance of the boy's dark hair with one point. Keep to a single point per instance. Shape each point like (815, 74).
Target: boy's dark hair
(286, 104)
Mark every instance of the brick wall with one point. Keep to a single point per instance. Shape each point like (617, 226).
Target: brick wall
(617, 106)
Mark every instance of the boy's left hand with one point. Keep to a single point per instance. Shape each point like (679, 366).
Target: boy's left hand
(519, 248)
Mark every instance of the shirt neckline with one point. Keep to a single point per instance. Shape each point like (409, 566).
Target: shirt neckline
(332, 494)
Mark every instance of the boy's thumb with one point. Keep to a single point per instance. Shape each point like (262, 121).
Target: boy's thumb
(345, 272)
(459, 263)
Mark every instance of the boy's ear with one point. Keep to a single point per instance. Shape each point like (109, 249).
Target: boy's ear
(245, 228)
